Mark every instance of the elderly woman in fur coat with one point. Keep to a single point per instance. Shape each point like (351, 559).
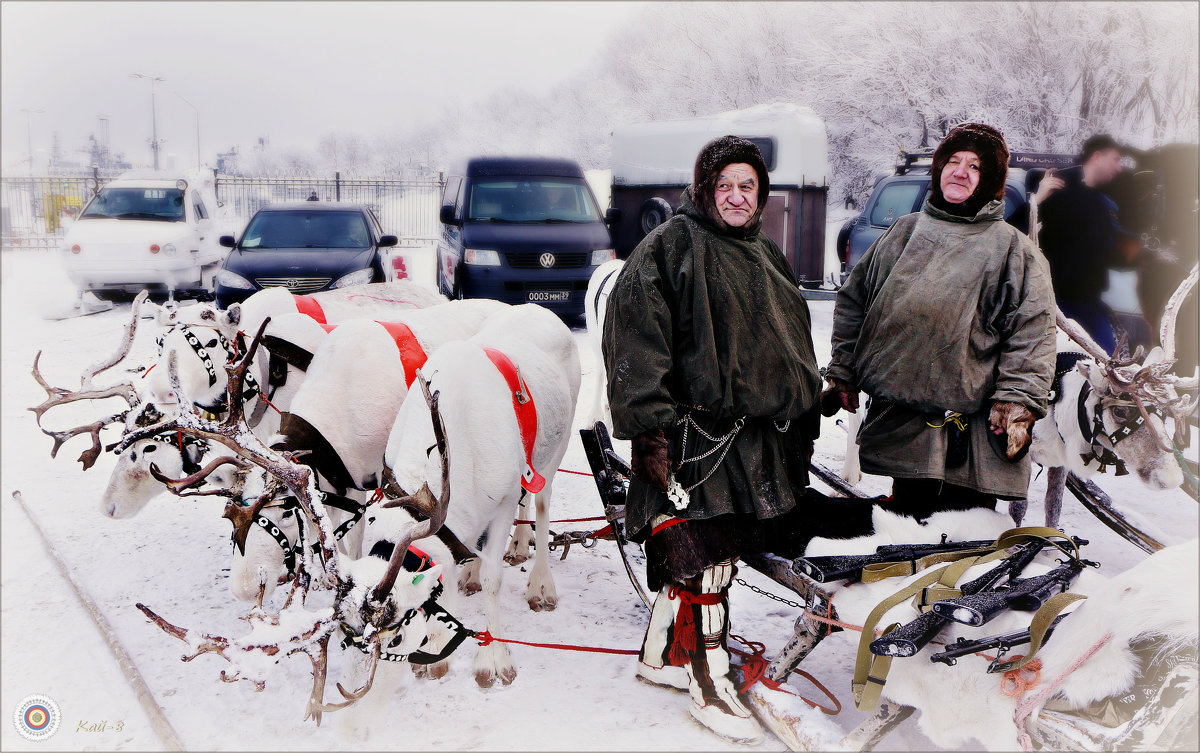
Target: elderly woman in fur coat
(947, 323)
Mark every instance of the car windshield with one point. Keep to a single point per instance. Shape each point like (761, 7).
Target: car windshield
(895, 201)
(306, 229)
(162, 204)
(532, 200)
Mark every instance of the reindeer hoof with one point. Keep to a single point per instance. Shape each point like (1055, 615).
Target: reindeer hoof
(435, 671)
(486, 678)
(515, 558)
(542, 603)
(468, 577)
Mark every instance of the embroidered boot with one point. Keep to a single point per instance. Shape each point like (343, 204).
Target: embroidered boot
(653, 661)
(701, 633)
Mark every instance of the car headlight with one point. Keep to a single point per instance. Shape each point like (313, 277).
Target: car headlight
(481, 257)
(227, 279)
(359, 277)
(169, 249)
(601, 255)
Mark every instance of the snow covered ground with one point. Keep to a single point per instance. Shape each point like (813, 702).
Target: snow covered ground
(174, 555)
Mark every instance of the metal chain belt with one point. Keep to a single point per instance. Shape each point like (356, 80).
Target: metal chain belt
(769, 595)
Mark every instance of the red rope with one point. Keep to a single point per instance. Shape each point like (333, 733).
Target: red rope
(754, 669)
(268, 402)
(577, 473)
(146, 373)
(486, 638)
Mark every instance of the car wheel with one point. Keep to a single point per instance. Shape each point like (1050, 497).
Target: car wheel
(843, 240)
(653, 213)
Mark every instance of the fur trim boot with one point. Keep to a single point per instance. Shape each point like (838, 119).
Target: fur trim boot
(653, 661)
(701, 634)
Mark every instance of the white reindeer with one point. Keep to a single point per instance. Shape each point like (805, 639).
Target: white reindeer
(202, 338)
(343, 414)
(487, 460)
(595, 306)
(130, 485)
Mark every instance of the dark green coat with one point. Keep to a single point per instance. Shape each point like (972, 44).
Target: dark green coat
(704, 323)
(946, 313)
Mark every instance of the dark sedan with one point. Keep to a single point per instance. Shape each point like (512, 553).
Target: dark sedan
(304, 247)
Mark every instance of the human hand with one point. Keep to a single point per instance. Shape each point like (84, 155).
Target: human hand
(1050, 183)
(839, 395)
(1016, 421)
(650, 462)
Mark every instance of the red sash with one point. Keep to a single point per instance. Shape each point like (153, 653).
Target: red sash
(531, 480)
(412, 355)
(309, 307)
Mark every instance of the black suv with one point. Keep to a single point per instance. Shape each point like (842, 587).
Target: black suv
(305, 247)
(904, 192)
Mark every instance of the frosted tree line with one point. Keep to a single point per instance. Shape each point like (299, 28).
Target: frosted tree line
(884, 76)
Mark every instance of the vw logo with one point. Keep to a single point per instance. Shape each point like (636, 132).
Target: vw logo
(293, 283)
(546, 260)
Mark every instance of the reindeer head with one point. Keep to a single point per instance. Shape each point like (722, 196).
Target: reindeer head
(1139, 435)
(1141, 410)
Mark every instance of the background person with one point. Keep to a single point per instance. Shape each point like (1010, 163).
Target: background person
(947, 323)
(712, 374)
(1082, 238)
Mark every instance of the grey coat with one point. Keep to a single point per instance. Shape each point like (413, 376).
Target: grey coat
(946, 313)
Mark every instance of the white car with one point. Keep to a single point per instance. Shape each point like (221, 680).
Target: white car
(149, 229)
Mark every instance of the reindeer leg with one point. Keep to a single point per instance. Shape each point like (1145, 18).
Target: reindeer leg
(1056, 480)
(1017, 509)
(868, 734)
(522, 536)
(540, 592)
(493, 661)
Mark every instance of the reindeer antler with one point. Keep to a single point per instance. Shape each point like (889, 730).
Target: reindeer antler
(422, 503)
(88, 391)
(234, 433)
(177, 486)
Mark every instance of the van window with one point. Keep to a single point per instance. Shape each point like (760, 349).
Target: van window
(201, 214)
(895, 201)
(163, 204)
(767, 147)
(532, 200)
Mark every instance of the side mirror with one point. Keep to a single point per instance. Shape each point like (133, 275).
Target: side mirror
(388, 240)
(612, 216)
(447, 215)
(227, 241)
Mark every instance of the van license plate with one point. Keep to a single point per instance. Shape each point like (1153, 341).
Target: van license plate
(541, 296)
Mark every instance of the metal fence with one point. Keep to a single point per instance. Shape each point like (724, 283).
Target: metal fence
(35, 212)
(405, 208)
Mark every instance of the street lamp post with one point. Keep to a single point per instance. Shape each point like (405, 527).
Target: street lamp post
(154, 142)
(197, 111)
(29, 132)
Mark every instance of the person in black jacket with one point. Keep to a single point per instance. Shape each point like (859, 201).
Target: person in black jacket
(712, 374)
(1081, 237)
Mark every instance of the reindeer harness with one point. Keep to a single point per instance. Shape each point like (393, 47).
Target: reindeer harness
(415, 561)
(522, 400)
(290, 504)
(252, 388)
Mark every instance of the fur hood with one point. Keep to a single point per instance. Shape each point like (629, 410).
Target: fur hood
(715, 155)
(989, 144)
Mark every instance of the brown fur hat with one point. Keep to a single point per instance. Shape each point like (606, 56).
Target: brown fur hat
(989, 144)
(715, 155)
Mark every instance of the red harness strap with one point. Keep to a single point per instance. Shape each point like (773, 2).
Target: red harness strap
(522, 400)
(412, 355)
(309, 307)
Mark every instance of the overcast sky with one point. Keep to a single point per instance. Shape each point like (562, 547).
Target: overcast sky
(291, 71)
